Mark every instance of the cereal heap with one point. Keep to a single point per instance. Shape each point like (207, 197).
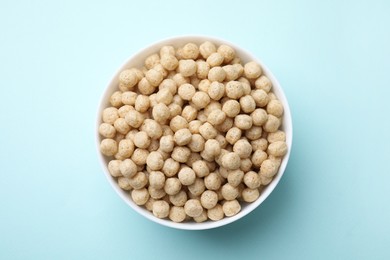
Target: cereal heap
(193, 133)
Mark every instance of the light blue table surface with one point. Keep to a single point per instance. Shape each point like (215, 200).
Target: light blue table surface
(332, 59)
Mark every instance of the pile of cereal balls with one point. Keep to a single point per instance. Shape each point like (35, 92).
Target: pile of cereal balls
(194, 133)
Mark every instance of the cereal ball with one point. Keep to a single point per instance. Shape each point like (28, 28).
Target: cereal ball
(229, 192)
(252, 180)
(174, 110)
(113, 168)
(216, 117)
(155, 161)
(186, 91)
(190, 51)
(110, 114)
(233, 135)
(272, 124)
(202, 117)
(189, 113)
(197, 188)
(167, 130)
(124, 183)
(149, 204)
(169, 62)
(145, 87)
(260, 144)
(187, 68)
(152, 61)
(123, 110)
(186, 176)
(172, 186)
(208, 131)
(243, 148)
(268, 168)
(182, 136)
(141, 140)
(213, 105)
(202, 69)
(161, 209)
(254, 133)
(209, 199)
(231, 208)
(212, 181)
(179, 79)
(215, 59)
(215, 213)
(177, 123)
(177, 214)
(216, 90)
(138, 181)
(167, 50)
(234, 89)
(252, 70)
(139, 156)
(250, 195)
(197, 143)
(204, 85)
(128, 98)
(200, 168)
(235, 177)
(216, 74)
(194, 157)
(232, 73)
(164, 96)
(121, 126)
(265, 180)
(156, 193)
(167, 143)
(278, 148)
(231, 108)
(206, 49)
(276, 136)
(275, 107)
(193, 208)
(108, 147)
(263, 83)
(116, 99)
(258, 157)
(161, 113)
(231, 161)
(128, 168)
(171, 167)
(178, 100)
(243, 122)
(154, 77)
(200, 100)
(201, 218)
(260, 97)
(130, 135)
(178, 199)
(156, 179)
(259, 117)
(225, 126)
(107, 130)
(246, 165)
(134, 118)
(152, 128)
(128, 78)
(181, 154)
(140, 197)
(227, 52)
(142, 103)
(248, 104)
(212, 147)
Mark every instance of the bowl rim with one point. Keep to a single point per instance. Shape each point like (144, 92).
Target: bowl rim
(287, 125)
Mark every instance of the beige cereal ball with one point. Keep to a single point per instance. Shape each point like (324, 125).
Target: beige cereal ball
(208, 131)
(206, 49)
(232, 72)
(259, 117)
(189, 113)
(171, 167)
(121, 126)
(124, 183)
(141, 140)
(187, 176)
(194, 157)
(181, 154)
(275, 107)
(190, 51)
(231, 108)
(244, 122)
(156, 193)
(167, 130)
(268, 168)
(243, 148)
(125, 148)
(216, 90)
(123, 110)
(138, 181)
(130, 135)
(252, 180)
(226, 125)
(204, 85)
(177, 214)
(116, 99)
(248, 104)
(234, 89)
(221, 140)
(254, 133)
(260, 96)
(209, 199)
(174, 110)
(128, 168)
(186, 91)
(252, 70)
(140, 197)
(193, 208)
(278, 148)
(272, 124)
(167, 143)
(216, 117)
(202, 117)
(113, 168)
(152, 61)
(134, 118)
(177, 123)
(202, 69)
(258, 157)
(164, 96)
(233, 135)
(172, 186)
(139, 156)
(250, 195)
(200, 168)
(154, 77)
(110, 114)
(167, 50)
(178, 100)
(178, 199)
(213, 105)
(198, 187)
(149, 204)
(212, 147)
(129, 97)
(197, 143)
(200, 100)
(142, 103)
(229, 192)
(231, 208)
(182, 137)
(215, 213)
(145, 87)
(138, 73)
(201, 218)
(152, 128)
(235, 177)
(156, 179)
(169, 84)
(212, 181)
(169, 62)
(155, 161)
(216, 74)
(227, 52)
(108, 147)
(179, 79)
(246, 165)
(231, 161)
(161, 209)
(215, 59)
(128, 78)
(161, 113)
(187, 68)
(263, 83)
(107, 130)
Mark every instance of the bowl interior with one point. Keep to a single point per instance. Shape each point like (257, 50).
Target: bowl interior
(137, 60)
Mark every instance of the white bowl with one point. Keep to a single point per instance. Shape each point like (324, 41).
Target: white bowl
(137, 61)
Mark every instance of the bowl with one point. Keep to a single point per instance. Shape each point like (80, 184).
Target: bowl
(137, 61)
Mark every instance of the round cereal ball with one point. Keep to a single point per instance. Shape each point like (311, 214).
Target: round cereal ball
(216, 74)
(193, 208)
(200, 100)
(108, 147)
(139, 156)
(179, 79)
(121, 126)
(197, 187)
(258, 157)
(177, 123)
(234, 89)
(233, 135)
(128, 168)
(124, 183)
(114, 168)
(231, 108)
(252, 70)
(227, 52)
(216, 90)
(231, 208)
(134, 118)
(171, 167)
(110, 115)
(161, 209)
(246, 165)
(194, 125)
(167, 143)
(142, 103)
(169, 62)
(189, 113)
(235, 177)
(250, 195)
(229, 192)
(116, 99)
(123, 110)
(167, 50)
(172, 186)
(216, 117)
(212, 181)
(215, 213)
(201, 218)
(213, 105)
(145, 87)
(212, 147)
(138, 181)
(275, 107)
(190, 51)
(206, 49)
(247, 103)
(252, 180)
(260, 97)
(215, 59)
(202, 69)
(278, 148)
(128, 78)
(156, 193)
(276, 136)
(155, 161)
(182, 137)
(169, 84)
(225, 126)
(152, 128)
(244, 122)
(231, 161)
(208, 131)
(254, 133)
(268, 168)
(125, 148)
(197, 143)
(209, 199)
(200, 168)
(156, 179)
(272, 124)
(129, 97)
(141, 140)
(259, 117)
(107, 130)
(187, 68)
(161, 112)
(181, 154)
(149, 204)
(243, 148)
(152, 61)
(174, 110)
(186, 176)
(178, 199)
(154, 77)
(186, 91)
(193, 158)
(263, 83)
(140, 197)
(177, 214)
(204, 85)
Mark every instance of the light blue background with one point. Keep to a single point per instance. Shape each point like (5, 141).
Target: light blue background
(332, 59)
